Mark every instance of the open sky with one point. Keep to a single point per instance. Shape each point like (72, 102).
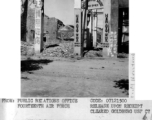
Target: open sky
(60, 9)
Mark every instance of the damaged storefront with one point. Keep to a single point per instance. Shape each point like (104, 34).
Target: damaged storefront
(98, 24)
(102, 24)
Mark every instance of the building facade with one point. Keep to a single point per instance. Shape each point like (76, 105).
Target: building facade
(110, 16)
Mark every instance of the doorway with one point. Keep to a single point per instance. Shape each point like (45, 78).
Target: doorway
(123, 31)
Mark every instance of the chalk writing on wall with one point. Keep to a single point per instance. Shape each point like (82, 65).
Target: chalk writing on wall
(37, 40)
(38, 14)
(112, 44)
(37, 31)
(115, 43)
(38, 21)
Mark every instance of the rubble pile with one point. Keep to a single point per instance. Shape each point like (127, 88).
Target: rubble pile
(27, 48)
(93, 53)
(61, 50)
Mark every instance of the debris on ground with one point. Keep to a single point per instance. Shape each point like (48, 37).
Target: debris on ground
(27, 48)
(93, 53)
(65, 49)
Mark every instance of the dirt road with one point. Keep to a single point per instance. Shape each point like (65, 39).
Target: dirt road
(63, 77)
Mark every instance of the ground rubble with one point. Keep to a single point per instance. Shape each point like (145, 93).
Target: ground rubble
(60, 50)
(93, 53)
(64, 50)
(27, 48)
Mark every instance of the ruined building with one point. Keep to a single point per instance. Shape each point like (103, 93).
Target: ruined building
(51, 25)
(66, 32)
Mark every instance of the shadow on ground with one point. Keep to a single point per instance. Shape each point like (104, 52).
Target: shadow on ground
(123, 84)
(31, 65)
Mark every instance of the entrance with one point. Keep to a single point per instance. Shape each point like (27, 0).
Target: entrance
(100, 27)
(91, 16)
(123, 31)
(94, 29)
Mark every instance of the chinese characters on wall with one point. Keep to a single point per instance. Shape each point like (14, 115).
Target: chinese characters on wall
(112, 44)
(77, 29)
(38, 21)
(106, 28)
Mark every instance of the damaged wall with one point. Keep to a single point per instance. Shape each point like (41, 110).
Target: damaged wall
(51, 25)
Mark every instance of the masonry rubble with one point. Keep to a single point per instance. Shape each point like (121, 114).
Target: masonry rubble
(61, 50)
(27, 48)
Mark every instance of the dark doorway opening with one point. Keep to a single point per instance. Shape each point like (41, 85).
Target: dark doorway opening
(123, 30)
(44, 39)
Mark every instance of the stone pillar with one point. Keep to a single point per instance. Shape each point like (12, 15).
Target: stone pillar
(114, 15)
(24, 14)
(91, 29)
(78, 47)
(107, 27)
(114, 24)
(94, 28)
(42, 26)
(38, 26)
(107, 20)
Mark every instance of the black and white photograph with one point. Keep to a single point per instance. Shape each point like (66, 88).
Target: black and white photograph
(75, 60)
(75, 48)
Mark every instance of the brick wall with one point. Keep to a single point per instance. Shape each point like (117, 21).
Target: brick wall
(51, 26)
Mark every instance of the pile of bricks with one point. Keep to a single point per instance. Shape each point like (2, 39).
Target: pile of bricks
(61, 50)
(93, 53)
(27, 48)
